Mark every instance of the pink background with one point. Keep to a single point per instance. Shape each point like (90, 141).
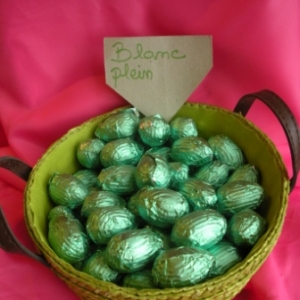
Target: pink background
(51, 79)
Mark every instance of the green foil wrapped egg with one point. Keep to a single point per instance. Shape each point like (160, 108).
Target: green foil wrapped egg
(88, 177)
(182, 266)
(245, 173)
(124, 151)
(97, 267)
(66, 235)
(246, 227)
(160, 207)
(200, 229)
(118, 179)
(199, 194)
(182, 127)
(179, 172)
(133, 250)
(105, 222)
(154, 130)
(226, 151)
(140, 280)
(164, 152)
(214, 173)
(226, 256)
(192, 151)
(67, 189)
(87, 153)
(238, 195)
(98, 199)
(152, 170)
(121, 124)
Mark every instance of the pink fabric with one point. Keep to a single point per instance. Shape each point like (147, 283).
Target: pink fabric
(51, 79)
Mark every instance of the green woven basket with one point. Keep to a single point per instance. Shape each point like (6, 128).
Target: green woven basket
(259, 151)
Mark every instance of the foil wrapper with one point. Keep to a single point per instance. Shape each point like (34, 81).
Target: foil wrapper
(154, 130)
(67, 190)
(245, 173)
(226, 151)
(152, 170)
(226, 256)
(214, 173)
(98, 199)
(118, 179)
(105, 222)
(139, 280)
(133, 250)
(164, 152)
(121, 152)
(192, 151)
(160, 207)
(97, 267)
(238, 195)
(200, 229)
(182, 266)
(66, 235)
(88, 177)
(87, 153)
(199, 194)
(181, 127)
(246, 227)
(119, 125)
(179, 172)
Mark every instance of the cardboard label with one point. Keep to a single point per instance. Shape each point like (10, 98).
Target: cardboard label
(157, 74)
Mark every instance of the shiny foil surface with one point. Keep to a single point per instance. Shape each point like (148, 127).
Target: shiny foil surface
(246, 227)
(152, 170)
(245, 172)
(238, 195)
(133, 250)
(200, 229)
(119, 125)
(192, 151)
(182, 127)
(164, 152)
(88, 177)
(139, 280)
(182, 266)
(154, 130)
(87, 153)
(179, 172)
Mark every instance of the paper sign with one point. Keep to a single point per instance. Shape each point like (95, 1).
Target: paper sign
(157, 74)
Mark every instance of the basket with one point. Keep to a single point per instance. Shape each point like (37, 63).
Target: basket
(210, 120)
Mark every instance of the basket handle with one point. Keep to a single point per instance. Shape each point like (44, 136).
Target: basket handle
(8, 241)
(285, 117)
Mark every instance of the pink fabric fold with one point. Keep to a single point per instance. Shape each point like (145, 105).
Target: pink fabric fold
(52, 79)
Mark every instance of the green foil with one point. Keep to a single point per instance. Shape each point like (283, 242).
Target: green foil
(154, 130)
(66, 235)
(238, 195)
(192, 151)
(124, 151)
(105, 222)
(160, 207)
(119, 125)
(179, 172)
(66, 189)
(133, 250)
(139, 280)
(245, 173)
(182, 266)
(164, 152)
(200, 229)
(199, 194)
(152, 170)
(246, 227)
(182, 127)
(214, 173)
(226, 256)
(88, 177)
(98, 199)
(97, 267)
(87, 153)
(118, 179)
(226, 151)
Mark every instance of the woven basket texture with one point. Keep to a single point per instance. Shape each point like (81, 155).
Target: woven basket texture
(210, 120)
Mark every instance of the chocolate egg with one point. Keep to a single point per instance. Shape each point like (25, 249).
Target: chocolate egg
(182, 127)
(88, 177)
(139, 280)
(179, 172)
(245, 173)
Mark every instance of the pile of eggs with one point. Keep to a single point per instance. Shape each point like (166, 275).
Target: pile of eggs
(155, 205)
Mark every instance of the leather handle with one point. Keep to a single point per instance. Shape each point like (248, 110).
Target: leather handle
(8, 241)
(285, 117)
